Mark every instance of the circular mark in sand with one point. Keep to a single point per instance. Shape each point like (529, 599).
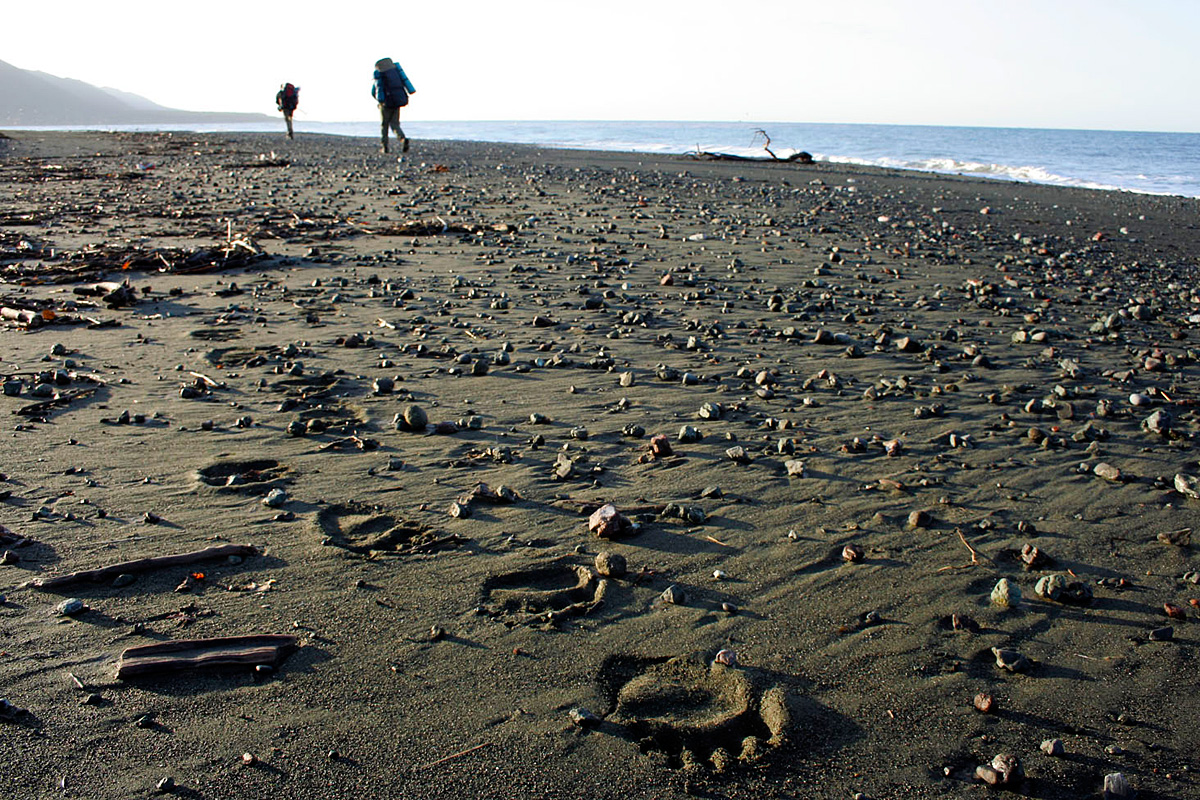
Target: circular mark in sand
(698, 714)
(543, 594)
(217, 334)
(367, 530)
(254, 476)
(243, 356)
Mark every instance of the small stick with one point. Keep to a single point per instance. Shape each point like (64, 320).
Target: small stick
(453, 756)
(974, 552)
(209, 382)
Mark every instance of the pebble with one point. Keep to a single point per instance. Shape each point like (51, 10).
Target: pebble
(1010, 660)
(1004, 770)
(610, 565)
(1053, 748)
(1117, 787)
(727, 657)
(582, 718)
(275, 498)
(70, 607)
(1006, 594)
(673, 595)
(1163, 634)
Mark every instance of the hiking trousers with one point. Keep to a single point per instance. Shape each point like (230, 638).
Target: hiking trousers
(389, 118)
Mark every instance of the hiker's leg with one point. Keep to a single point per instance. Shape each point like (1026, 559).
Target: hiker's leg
(400, 134)
(288, 119)
(383, 126)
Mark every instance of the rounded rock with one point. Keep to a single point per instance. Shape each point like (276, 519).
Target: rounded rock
(610, 565)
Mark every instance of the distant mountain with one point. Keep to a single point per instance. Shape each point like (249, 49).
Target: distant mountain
(36, 98)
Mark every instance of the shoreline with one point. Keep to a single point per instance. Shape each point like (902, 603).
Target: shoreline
(977, 167)
(875, 388)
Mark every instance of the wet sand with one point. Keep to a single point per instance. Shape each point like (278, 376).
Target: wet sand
(877, 393)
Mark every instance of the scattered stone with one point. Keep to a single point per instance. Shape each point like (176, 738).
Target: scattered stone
(1188, 485)
(726, 657)
(413, 418)
(1163, 634)
(1117, 787)
(608, 523)
(1179, 538)
(610, 565)
(673, 595)
(1060, 589)
(1053, 748)
(1159, 423)
(70, 607)
(1010, 660)
(1006, 594)
(1004, 770)
(582, 718)
(918, 519)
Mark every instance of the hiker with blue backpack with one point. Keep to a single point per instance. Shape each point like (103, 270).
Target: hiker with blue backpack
(391, 90)
(286, 100)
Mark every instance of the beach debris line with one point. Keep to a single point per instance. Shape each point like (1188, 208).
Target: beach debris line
(268, 650)
(89, 263)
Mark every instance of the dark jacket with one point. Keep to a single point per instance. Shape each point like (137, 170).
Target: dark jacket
(286, 101)
(392, 88)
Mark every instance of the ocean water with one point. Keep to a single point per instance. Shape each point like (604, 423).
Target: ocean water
(1151, 163)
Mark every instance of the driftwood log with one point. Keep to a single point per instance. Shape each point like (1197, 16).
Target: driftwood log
(180, 654)
(800, 157)
(144, 565)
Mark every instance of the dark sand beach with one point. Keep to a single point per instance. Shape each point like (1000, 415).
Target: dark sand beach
(407, 386)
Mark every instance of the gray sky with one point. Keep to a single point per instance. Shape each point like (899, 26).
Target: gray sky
(1110, 64)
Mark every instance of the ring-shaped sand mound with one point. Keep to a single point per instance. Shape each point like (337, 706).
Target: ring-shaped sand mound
(699, 714)
(369, 531)
(544, 593)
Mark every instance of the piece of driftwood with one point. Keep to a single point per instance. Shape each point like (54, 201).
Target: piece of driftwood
(44, 407)
(800, 157)
(21, 316)
(145, 565)
(228, 651)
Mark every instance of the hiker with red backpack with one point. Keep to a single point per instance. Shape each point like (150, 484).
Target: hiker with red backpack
(391, 90)
(286, 100)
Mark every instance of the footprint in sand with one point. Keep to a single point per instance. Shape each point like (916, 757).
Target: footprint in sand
(369, 531)
(698, 714)
(243, 356)
(217, 334)
(544, 594)
(255, 476)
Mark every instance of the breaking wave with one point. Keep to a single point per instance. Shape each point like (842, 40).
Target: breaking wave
(977, 169)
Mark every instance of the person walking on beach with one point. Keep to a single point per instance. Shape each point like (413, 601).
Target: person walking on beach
(286, 99)
(391, 90)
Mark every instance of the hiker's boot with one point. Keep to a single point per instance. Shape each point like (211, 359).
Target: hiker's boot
(404, 145)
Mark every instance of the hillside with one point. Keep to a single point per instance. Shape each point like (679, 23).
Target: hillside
(37, 98)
